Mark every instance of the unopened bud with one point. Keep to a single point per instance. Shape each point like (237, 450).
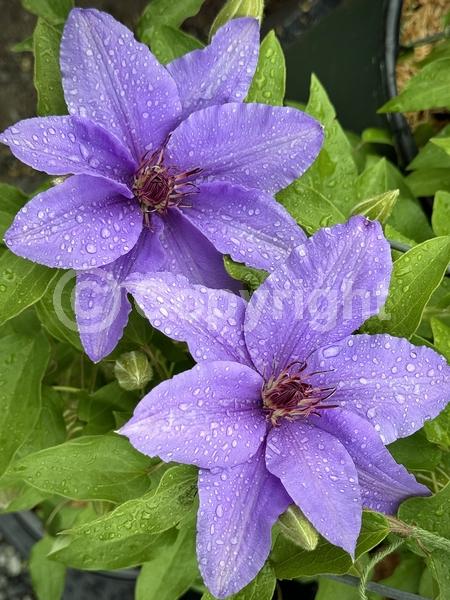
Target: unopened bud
(296, 527)
(133, 371)
(238, 8)
(379, 207)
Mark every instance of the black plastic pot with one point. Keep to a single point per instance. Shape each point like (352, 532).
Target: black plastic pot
(352, 46)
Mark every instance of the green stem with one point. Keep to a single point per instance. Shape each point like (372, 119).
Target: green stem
(378, 557)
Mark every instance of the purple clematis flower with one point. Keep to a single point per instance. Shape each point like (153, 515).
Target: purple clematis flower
(286, 405)
(169, 167)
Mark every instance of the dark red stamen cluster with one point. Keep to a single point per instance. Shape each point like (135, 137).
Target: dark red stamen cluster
(158, 187)
(290, 396)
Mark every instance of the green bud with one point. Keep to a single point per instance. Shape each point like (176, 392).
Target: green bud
(133, 371)
(296, 527)
(378, 208)
(238, 8)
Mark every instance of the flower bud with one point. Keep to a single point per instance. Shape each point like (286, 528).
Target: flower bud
(133, 371)
(296, 527)
(238, 8)
(379, 207)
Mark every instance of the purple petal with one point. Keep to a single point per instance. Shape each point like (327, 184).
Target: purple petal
(209, 416)
(384, 483)
(102, 306)
(387, 380)
(63, 145)
(328, 287)
(237, 510)
(223, 71)
(254, 145)
(82, 223)
(116, 82)
(247, 224)
(320, 477)
(191, 254)
(210, 321)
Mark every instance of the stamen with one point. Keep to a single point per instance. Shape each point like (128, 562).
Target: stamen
(290, 396)
(158, 187)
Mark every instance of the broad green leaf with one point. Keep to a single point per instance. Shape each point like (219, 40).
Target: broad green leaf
(11, 201)
(48, 578)
(53, 11)
(431, 156)
(238, 8)
(441, 214)
(23, 361)
(432, 515)
(103, 467)
(330, 589)
(251, 277)
(311, 209)
(55, 309)
(22, 283)
(172, 571)
(334, 173)
(290, 561)
(168, 43)
(415, 276)
(415, 452)
(430, 88)
(407, 575)
(269, 82)
(126, 536)
(166, 12)
(407, 216)
(426, 182)
(47, 74)
(261, 588)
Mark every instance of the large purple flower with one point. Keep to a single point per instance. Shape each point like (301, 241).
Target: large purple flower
(286, 405)
(170, 168)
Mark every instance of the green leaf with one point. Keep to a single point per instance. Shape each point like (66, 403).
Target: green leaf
(407, 216)
(432, 515)
(47, 74)
(22, 284)
(11, 200)
(431, 156)
(407, 574)
(125, 536)
(253, 278)
(166, 12)
(53, 11)
(98, 409)
(441, 214)
(269, 82)
(104, 467)
(261, 588)
(55, 310)
(441, 336)
(426, 182)
(168, 43)
(290, 561)
(430, 88)
(416, 453)
(48, 578)
(334, 173)
(237, 8)
(23, 361)
(374, 135)
(415, 276)
(172, 571)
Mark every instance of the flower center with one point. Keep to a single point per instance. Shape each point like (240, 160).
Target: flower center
(158, 187)
(290, 396)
